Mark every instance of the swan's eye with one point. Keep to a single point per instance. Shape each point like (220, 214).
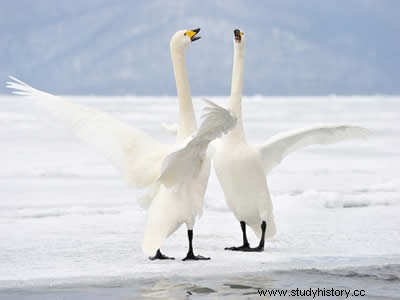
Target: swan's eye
(184, 33)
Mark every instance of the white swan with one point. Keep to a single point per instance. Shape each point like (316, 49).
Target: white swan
(138, 156)
(242, 168)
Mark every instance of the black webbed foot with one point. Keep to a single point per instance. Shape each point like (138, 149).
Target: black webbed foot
(255, 249)
(244, 247)
(191, 256)
(159, 255)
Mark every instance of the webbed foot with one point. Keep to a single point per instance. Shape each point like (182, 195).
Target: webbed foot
(244, 247)
(159, 255)
(191, 256)
(256, 249)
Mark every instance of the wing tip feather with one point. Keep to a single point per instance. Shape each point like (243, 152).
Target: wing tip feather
(359, 132)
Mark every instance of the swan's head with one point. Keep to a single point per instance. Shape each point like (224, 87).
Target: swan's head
(238, 38)
(183, 38)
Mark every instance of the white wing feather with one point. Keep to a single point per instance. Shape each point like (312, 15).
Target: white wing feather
(280, 145)
(184, 164)
(137, 155)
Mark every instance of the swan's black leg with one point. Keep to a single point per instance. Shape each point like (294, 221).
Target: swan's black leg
(260, 247)
(246, 244)
(190, 255)
(159, 255)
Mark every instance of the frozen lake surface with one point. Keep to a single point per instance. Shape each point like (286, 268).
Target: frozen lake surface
(69, 225)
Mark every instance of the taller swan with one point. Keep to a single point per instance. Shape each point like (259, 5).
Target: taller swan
(242, 168)
(140, 158)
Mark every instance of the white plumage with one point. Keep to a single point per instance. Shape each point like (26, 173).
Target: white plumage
(134, 153)
(242, 168)
(178, 175)
(276, 148)
(174, 197)
(185, 164)
(178, 200)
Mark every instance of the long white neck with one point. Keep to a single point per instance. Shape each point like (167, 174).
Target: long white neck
(236, 91)
(187, 121)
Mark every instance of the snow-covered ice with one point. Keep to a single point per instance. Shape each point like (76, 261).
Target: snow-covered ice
(67, 217)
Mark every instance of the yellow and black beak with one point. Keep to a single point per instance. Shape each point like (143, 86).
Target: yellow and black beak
(238, 35)
(192, 34)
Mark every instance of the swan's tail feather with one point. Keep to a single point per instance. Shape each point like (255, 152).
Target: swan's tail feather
(163, 218)
(155, 233)
(152, 241)
(271, 228)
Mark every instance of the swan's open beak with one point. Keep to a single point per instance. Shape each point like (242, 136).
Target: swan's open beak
(238, 35)
(192, 34)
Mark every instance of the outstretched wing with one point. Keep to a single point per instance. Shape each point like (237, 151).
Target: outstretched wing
(280, 145)
(137, 155)
(184, 164)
